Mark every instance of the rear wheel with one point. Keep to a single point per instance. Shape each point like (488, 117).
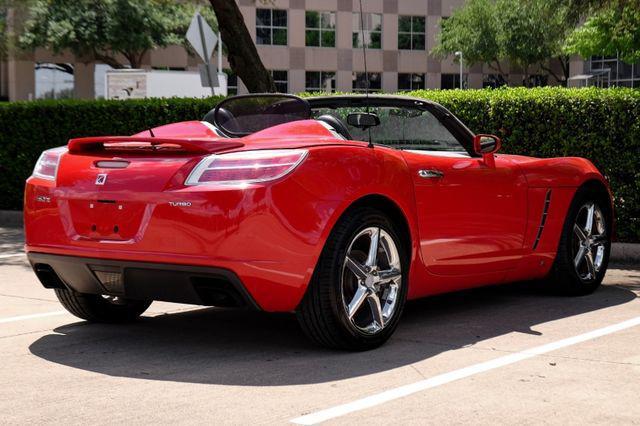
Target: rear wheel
(585, 244)
(101, 308)
(358, 290)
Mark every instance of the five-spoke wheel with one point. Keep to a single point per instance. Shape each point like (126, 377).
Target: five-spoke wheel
(583, 252)
(589, 239)
(372, 275)
(358, 290)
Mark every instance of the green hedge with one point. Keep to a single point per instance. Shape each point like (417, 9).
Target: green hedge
(602, 125)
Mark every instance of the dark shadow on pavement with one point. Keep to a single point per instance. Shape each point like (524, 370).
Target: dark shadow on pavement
(214, 346)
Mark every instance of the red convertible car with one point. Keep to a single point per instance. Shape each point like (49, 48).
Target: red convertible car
(337, 208)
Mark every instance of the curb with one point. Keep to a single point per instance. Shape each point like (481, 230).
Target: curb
(10, 219)
(625, 253)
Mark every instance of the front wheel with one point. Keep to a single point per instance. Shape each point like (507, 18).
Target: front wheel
(358, 290)
(585, 244)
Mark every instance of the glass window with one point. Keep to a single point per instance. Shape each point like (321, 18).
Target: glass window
(493, 81)
(281, 80)
(407, 82)
(271, 26)
(320, 81)
(54, 81)
(372, 30)
(411, 34)
(320, 29)
(401, 127)
(452, 81)
(360, 82)
(232, 82)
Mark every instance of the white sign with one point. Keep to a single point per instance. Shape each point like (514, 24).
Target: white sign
(137, 84)
(201, 37)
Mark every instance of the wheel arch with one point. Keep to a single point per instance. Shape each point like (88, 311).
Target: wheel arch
(390, 208)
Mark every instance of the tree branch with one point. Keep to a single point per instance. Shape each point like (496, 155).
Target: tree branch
(106, 59)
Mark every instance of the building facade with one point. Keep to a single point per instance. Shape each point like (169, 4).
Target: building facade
(309, 45)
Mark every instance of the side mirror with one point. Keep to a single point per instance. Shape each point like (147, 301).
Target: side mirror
(363, 120)
(487, 145)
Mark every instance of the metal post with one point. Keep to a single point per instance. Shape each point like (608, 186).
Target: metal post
(204, 49)
(219, 53)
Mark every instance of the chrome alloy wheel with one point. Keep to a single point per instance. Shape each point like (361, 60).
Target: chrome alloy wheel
(371, 279)
(589, 241)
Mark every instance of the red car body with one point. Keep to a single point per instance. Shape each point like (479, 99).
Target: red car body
(479, 224)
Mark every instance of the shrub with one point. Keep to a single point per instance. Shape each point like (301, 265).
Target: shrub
(602, 125)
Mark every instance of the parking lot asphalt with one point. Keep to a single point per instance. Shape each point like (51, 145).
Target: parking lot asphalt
(508, 354)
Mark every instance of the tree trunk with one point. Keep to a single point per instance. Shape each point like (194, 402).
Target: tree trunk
(241, 51)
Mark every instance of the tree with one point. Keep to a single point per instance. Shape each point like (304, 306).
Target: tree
(241, 51)
(612, 30)
(525, 33)
(533, 32)
(106, 30)
(473, 30)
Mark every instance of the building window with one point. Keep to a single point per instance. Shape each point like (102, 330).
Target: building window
(281, 80)
(320, 29)
(408, 82)
(609, 70)
(232, 82)
(493, 80)
(536, 80)
(54, 81)
(271, 27)
(411, 33)
(452, 81)
(360, 82)
(372, 30)
(320, 81)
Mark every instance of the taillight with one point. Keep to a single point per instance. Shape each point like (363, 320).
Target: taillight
(47, 165)
(246, 166)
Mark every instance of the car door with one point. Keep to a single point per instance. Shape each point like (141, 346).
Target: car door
(471, 215)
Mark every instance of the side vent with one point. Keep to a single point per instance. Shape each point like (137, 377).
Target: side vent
(543, 219)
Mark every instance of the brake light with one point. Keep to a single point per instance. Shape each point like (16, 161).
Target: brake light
(47, 165)
(246, 166)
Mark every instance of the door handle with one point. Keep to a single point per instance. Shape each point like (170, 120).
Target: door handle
(430, 174)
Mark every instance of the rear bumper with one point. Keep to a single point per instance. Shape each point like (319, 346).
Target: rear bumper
(142, 280)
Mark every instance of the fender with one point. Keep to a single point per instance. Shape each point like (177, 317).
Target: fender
(379, 172)
(557, 172)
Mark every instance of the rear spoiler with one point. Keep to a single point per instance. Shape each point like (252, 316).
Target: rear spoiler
(128, 143)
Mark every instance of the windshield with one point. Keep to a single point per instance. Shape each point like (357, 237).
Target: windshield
(400, 127)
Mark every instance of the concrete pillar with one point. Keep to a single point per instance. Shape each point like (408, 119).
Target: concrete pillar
(389, 82)
(22, 80)
(475, 81)
(433, 80)
(296, 81)
(84, 82)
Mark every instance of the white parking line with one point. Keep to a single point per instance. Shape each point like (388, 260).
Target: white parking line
(32, 316)
(4, 256)
(392, 394)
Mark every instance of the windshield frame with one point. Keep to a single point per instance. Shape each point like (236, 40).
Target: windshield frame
(459, 131)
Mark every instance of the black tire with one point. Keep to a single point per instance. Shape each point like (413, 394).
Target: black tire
(96, 308)
(322, 313)
(565, 278)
